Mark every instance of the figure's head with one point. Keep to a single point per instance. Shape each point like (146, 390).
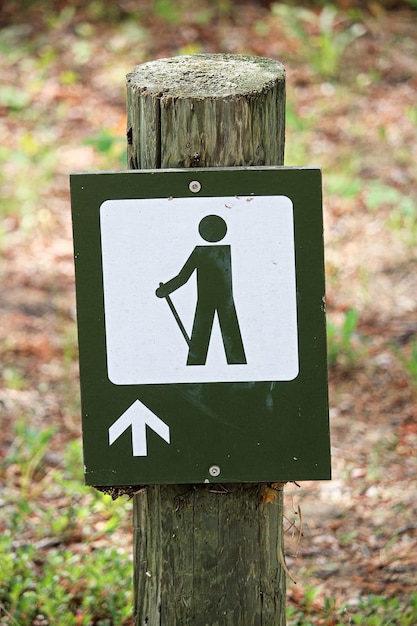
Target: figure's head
(212, 228)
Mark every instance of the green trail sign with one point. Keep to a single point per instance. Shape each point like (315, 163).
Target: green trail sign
(201, 320)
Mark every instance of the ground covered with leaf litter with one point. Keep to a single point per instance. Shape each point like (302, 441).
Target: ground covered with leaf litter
(352, 84)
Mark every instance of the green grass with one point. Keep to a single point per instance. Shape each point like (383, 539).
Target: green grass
(323, 36)
(344, 343)
(58, 554)
(402, 208)
(367, 611)
(110, 149)
(53, 563)
(408, 359)
(63, 587)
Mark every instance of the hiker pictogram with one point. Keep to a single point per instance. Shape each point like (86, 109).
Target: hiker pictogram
(213, 264)
(228, 270)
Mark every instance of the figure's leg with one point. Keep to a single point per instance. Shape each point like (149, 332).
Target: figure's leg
(200, 336)
(232, 339)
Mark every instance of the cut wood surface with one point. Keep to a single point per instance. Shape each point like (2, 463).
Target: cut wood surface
(207, 111)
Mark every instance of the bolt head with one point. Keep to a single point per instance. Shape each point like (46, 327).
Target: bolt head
(214, 470)
(194, 186)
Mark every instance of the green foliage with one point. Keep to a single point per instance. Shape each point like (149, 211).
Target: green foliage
(13, 98)
(110, 147)
(343, 341)
(27, 451)
(408, 359)
(26, 167)
(55, 559)
(322, 36)
(403, 209)
(12, 377)
(63, 587)
(382, 611)
(411, 112)
(68, 587)
(342, 184)
(167, 10)
(296, 144)
(368, 611)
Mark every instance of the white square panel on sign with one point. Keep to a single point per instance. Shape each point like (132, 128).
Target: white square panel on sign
(224, 270)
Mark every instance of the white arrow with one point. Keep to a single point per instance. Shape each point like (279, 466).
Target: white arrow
(138, 416)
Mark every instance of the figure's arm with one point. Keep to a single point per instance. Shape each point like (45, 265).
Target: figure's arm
(178, 281)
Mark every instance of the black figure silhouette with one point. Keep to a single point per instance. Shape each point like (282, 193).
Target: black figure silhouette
(214, 294)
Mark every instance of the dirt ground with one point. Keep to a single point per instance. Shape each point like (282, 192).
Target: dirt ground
(356, 534)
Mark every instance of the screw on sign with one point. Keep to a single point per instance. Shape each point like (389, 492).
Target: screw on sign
(194, 186)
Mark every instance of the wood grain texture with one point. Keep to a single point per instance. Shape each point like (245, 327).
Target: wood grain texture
(207, 555)
(206, 111)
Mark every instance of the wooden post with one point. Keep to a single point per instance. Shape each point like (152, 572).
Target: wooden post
(208, 555)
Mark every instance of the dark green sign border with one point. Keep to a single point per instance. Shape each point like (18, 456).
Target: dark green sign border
(255, 432)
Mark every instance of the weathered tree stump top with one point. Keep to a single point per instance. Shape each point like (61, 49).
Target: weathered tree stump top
(206, 110)
(206, 76)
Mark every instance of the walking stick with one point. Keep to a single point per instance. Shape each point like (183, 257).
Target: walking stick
(177, 317)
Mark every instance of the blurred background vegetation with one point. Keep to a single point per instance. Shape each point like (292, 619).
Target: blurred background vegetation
(65, 551)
